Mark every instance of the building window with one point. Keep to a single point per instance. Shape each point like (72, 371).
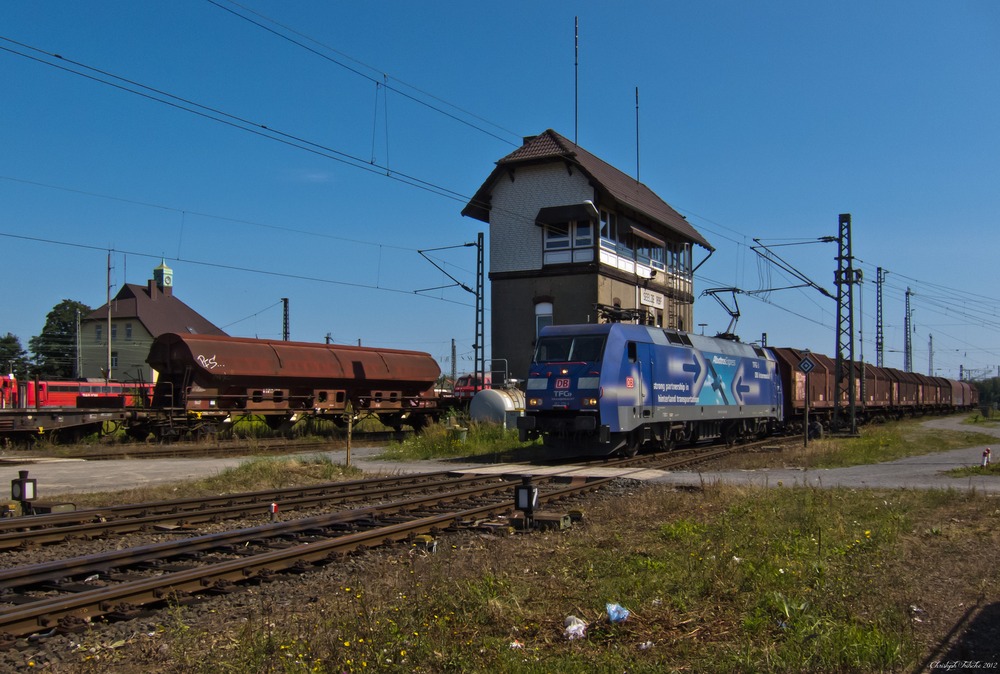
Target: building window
(609, 230)
(567, 242)
(645, 250)
(128, 331)
(114, 331)
(114, 359)
(557, 236)
(679, 258)
(97, 332)
(543, 316)
(625, 245)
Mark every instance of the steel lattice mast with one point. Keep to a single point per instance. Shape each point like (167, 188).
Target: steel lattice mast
(879, 335)
(846, 371)
(479, 347)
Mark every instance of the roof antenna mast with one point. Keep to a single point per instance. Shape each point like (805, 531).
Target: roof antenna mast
(576, 80)
(637, 134)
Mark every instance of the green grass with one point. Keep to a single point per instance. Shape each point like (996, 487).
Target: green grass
(727, 580)
(878, 443)
(967, 471)
(446, 441)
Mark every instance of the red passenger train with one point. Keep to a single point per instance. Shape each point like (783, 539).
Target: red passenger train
(70, 409)
(72, 393)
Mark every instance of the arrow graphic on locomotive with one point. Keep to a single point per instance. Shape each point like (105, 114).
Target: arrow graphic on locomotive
(753, 382)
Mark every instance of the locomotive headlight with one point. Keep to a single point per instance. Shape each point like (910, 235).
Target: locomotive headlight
(590, 402)
(534, 402)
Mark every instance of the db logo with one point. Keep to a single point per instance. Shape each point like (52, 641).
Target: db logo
(562, 383)
(629, 382)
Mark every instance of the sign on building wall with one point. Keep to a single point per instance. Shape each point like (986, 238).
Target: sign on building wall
(648, 298)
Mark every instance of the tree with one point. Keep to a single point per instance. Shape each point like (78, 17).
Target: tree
(13, 358)
(989, 392)
(54, 350)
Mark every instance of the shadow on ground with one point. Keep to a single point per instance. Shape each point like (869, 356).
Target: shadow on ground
(972, 644)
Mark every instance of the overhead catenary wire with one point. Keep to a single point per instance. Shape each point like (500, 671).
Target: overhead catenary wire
(358, 72)
(229, 267)
(265, 131)
(228, 119)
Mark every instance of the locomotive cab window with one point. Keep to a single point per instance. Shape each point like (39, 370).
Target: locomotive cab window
(633, 352)
(570, 348)
(587, 348)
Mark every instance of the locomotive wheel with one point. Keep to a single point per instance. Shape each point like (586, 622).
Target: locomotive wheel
(730, 434)
(631, 447)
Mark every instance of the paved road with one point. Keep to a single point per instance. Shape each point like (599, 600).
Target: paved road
(72, 476)
(64, 477)
(916, 472)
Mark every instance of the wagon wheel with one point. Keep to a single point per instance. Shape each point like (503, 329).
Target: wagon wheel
(418, 422)
(111, 428)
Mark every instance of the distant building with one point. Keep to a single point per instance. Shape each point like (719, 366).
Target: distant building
(138, 314)
(569, 233)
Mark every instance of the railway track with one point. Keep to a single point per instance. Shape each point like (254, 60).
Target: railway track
(330, 521)
(67, 594)
(184, 513)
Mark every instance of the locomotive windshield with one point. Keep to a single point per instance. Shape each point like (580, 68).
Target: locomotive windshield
(569, 348)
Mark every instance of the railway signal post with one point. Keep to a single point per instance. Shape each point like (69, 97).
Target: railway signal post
(806, 365)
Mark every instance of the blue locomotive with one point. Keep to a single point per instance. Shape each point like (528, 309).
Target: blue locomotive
(615, 387)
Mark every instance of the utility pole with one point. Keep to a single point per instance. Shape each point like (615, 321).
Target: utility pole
(846, 372)
(107, 372)
(79, 348)
(930, 355)
(479, 348)
(454, 365)
(907, 329)
(879, 335)
(284, 322)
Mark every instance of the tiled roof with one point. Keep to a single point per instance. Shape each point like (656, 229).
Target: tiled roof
(158, 311)
(627, 191)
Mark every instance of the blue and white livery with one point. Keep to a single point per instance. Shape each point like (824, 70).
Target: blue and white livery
(599, 389)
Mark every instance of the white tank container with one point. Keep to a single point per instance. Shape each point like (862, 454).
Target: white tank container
(498, 406)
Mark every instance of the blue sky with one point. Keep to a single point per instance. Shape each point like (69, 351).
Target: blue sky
(756, 121)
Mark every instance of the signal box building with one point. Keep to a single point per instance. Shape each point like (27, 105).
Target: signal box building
(572, 240)
(138, 314)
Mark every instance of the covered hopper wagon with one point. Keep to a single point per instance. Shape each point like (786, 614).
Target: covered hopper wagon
(216, 378)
